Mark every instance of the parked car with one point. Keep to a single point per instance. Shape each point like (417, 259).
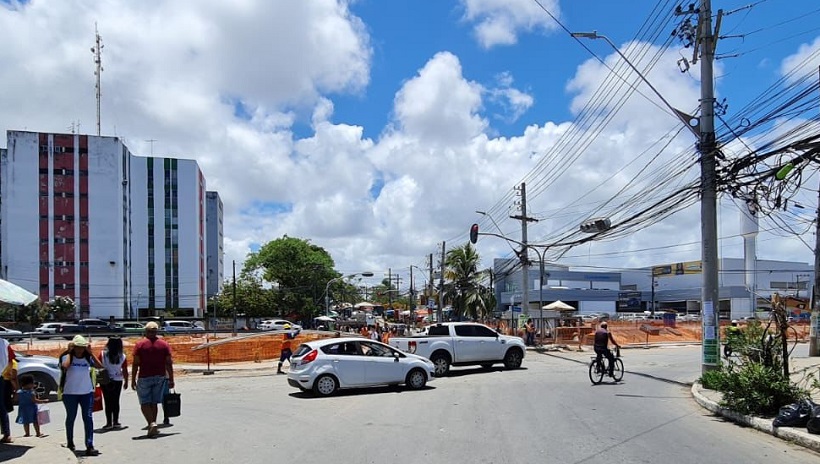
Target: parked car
(277, 324)
(326, 365)
(87, 326)
(44, 369)
(131, 327)
(182, 326)
(10, 334)
(47, 328)
(463, 344)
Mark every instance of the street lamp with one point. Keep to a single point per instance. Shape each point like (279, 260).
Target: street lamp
(704, 132)
(327, 287)
(678, 114)
(474, 233)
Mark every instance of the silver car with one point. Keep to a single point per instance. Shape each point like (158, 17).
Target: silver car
(10, 334)
(44, 369)
(328, 365)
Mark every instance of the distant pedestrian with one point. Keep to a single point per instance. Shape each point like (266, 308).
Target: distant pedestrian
(6, 357)
(153, 371)
(115, 363)
(78, 391)
(27, 402)
(530, 328)
(286, 350)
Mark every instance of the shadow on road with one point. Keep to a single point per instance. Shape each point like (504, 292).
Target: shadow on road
(359, 391)
(479, 371)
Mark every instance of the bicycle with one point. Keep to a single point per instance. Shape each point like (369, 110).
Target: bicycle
(597, 369)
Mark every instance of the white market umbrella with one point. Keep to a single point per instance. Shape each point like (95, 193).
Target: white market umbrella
(14, 294)
(363, 304)
(324, 319)
(559, 305)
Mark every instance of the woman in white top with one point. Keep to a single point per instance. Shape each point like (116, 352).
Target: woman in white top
(115, 362)
(78, 390)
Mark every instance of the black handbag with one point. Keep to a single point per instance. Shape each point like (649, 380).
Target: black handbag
(172, 404)
(103, 377)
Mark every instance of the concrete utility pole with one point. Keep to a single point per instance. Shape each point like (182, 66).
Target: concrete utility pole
(525, 261)
(708, 201)
(814, 343)
(440, 309)
(233, 285)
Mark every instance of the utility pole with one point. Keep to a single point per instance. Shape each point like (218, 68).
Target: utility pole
(440, 309)
(652, 271)
(97, 51)
(708, 202)
(233, 330)
(525, 260)
(430, 284)
(814, 328)
(389, 288)
(412, 298)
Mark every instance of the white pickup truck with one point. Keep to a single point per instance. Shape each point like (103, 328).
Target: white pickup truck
(463, 344)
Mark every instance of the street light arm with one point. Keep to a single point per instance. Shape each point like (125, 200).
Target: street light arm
(595, 35)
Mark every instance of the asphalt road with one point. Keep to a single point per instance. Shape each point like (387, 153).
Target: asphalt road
(547, 412)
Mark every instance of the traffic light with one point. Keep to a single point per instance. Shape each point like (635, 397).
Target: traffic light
(474, 233)
(593, 226)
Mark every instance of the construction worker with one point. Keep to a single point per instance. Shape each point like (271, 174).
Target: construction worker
(287, 350)
(733, 333)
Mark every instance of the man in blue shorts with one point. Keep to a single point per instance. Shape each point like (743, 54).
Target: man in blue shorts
(153, 367)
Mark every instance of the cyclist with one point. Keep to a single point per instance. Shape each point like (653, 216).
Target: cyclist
(602, 339)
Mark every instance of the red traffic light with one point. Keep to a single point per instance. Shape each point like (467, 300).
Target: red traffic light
(474, 233)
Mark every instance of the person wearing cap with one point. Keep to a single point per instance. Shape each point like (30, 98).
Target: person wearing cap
(602, 339)
(78, 390)
(153, 371)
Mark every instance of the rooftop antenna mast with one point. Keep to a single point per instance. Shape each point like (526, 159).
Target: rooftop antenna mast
(97, 51)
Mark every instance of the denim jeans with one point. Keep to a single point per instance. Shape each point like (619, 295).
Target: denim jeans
(5, 430)
(86, 404)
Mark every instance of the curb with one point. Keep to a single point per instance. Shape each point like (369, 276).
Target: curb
(791, 434)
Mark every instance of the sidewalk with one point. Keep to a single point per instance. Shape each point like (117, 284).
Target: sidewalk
(710, 400)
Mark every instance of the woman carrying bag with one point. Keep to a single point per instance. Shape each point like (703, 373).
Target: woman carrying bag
(78, 390)
(116, 365)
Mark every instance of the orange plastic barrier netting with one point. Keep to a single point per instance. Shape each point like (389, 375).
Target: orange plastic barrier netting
(263, 347)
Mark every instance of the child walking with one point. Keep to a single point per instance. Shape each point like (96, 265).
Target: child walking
(27, 402)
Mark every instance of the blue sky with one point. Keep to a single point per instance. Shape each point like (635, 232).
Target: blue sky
(376, 129)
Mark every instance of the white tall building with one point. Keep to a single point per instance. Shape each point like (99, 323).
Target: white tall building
(84, 218)
(214, 244)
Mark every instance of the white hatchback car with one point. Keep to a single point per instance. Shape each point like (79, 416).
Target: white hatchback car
(327, 365)
(277, 324)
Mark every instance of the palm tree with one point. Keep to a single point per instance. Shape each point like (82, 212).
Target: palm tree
(464, 289)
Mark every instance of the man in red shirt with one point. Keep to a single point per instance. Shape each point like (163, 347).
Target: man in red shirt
(152, 367)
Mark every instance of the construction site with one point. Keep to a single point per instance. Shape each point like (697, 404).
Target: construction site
(215, 348)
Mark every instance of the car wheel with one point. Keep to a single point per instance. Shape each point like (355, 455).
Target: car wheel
(43, 384)
(325, 385)
(441, 361)
(416, 379)
(513, 358)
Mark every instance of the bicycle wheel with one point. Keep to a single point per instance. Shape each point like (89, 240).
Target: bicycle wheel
(618, 371)
(596, 372)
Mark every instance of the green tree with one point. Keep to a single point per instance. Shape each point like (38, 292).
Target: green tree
(297, 272)
(463, 287)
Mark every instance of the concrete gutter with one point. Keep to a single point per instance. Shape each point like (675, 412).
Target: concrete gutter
(793, 434)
